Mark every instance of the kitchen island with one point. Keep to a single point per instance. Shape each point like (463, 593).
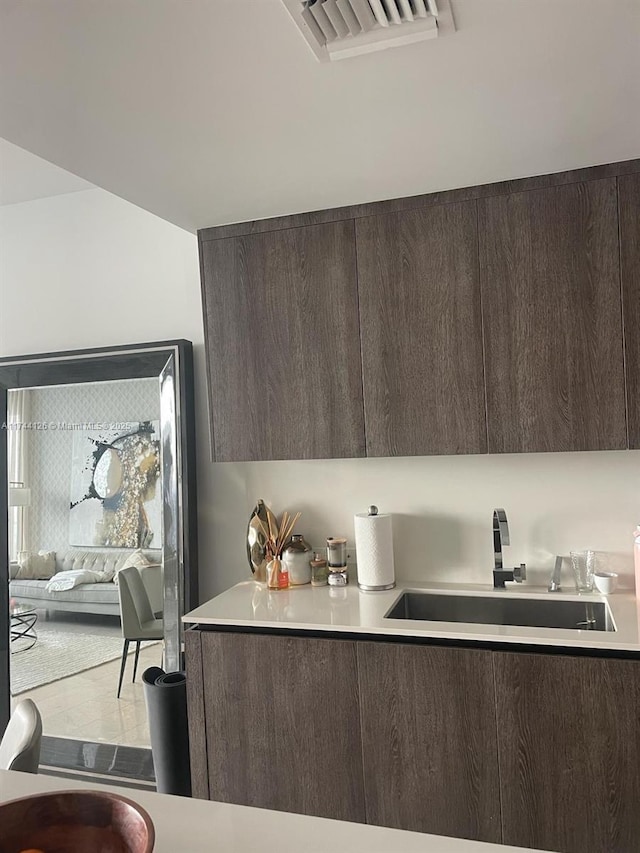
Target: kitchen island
(195, 826)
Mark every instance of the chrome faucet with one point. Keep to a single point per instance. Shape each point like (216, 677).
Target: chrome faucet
(500, 539)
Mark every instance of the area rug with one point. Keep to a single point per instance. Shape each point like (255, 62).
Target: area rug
(59, 654)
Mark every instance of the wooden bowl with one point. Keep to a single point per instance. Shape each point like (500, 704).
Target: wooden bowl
(75, 822)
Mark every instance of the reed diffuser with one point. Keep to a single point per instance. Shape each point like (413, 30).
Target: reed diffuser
(277, 536)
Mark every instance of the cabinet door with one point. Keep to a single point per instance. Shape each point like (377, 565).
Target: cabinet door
(629, 204)
(569, 752)
(283, 724)
(283, 345)
(549, 269)
(195, 714)
(429, 739)
(421, 332)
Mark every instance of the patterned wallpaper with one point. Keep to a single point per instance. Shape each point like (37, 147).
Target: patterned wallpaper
(50, 450)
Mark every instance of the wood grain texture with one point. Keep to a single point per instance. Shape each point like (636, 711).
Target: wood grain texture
(629, 212)
(421, 331)
(549, 270)
(569, 752)
(195, 713)
(335, 214)
(281, 319)
(429, 739)
(283, 724)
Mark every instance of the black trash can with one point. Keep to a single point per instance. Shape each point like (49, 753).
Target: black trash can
(165, 695)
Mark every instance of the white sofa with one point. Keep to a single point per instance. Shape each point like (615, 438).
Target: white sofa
(99, 598)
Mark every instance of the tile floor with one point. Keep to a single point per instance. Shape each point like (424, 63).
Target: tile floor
(85, 706)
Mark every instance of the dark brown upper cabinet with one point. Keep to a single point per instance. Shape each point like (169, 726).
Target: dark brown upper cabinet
(629, 204)
(482, 319)
(283, 345)
(421, 331)
(549, 269)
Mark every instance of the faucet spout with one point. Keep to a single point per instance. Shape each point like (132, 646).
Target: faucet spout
(500, 539)
(500, 536)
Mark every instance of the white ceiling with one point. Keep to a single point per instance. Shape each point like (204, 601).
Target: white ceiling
(25, 177)
(214, 111)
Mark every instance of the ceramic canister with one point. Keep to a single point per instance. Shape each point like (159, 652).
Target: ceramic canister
(297, 556)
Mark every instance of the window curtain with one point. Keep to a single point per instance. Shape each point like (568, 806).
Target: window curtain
(17, 458)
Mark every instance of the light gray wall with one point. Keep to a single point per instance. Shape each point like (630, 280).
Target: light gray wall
(50, 450)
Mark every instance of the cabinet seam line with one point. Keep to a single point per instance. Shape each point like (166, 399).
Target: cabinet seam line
(364, 409)
(495, 717)
(356, 648)
(482, 331)
(622, 316)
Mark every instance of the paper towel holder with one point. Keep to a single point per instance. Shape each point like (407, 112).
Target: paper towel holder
(371, 512)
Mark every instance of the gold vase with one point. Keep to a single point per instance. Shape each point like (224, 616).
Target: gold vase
(257, 542)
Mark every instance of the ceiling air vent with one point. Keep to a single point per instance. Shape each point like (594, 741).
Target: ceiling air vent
(338, 29)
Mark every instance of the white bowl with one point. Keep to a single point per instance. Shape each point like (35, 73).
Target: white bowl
(606, 582)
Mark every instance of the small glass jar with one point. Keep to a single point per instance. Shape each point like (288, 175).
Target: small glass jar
(318, 571)
(277, 574)
(296, 557)
(337, 552)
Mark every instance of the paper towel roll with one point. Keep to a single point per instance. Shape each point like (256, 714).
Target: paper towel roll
(374, 551)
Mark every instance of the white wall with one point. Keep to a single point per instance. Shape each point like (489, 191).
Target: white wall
(442, 505)
(88, 269)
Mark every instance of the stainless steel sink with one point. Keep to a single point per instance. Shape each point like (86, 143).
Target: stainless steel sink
(499, 610)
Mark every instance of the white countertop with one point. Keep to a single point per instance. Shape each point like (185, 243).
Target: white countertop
(351, 610)
(199, 826)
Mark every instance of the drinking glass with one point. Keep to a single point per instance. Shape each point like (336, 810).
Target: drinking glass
(583, 563)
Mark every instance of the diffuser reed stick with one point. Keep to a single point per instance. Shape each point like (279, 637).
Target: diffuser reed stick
(277, 536)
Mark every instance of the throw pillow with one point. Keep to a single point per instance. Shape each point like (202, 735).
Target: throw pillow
(137, 560)
(36, 567)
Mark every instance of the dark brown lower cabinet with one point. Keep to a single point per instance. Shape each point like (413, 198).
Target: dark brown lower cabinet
(569, 746)
(282, 723)
(535, 750)
(429, 739)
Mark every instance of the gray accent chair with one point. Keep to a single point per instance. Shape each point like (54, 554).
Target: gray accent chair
(20, 745)
(137, 618)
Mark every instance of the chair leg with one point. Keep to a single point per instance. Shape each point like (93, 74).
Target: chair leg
(125, 650)
(135, 661)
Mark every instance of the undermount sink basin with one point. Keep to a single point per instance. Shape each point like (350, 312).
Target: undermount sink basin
(499, 610)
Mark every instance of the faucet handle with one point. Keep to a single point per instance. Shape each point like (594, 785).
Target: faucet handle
(520, 573)
(554, 583)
